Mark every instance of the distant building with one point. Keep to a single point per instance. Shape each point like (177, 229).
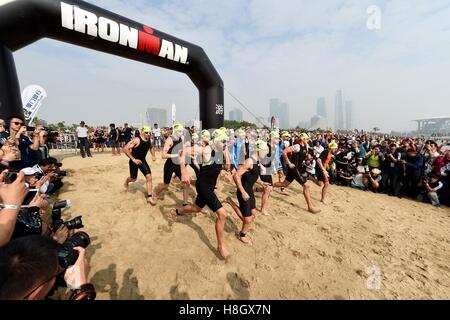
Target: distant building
(304, 124)
(438, 125)
(338, 111)
(280, 110)
(157, 115)
(321, 107)
(349, 117)
(318, 122)
(236, 115)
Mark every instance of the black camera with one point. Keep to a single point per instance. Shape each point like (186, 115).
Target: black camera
(75, 223)
(61, 173)
(11, 176)
(67, 256)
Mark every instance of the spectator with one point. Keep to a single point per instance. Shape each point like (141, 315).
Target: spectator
(432, 188)
(29, 268)
(83, 142)
(413, 165)
(113, 138)
(390, 170)
(372, 180)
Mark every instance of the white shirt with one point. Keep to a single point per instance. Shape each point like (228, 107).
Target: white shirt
(36, 169)
(156, 132)
(82, 132)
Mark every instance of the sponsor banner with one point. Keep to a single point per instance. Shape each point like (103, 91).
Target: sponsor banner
(32, 98)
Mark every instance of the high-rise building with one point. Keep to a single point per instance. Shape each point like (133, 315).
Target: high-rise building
(236, 115)
(157, 115)
(280, 110)
(338, 111)
(318, 122)
(321, 107)
(349, 117)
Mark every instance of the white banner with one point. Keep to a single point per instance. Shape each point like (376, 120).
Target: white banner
(32, 97)
(174, 111)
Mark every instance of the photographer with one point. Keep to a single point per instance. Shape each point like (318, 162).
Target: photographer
(50, 168)
(27, 140)
(30, 266)
(432, 187)
(372, 180)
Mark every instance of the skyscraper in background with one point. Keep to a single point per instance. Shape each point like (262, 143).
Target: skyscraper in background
(338, 111)
(349, 117)
(236, 115)
(280, 110)
(321, 107)
(157, 115)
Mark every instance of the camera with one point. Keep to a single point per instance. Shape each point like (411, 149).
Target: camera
(61, 173)
(67, 256)
(75, 223)
(11, 176)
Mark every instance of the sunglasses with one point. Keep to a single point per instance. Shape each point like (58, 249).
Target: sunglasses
(146, 132)
(17, 123)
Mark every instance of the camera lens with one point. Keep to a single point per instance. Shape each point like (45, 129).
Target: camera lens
(75, 223)
(62, 204)
(67, 256)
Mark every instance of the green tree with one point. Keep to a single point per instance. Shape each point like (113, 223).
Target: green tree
(238, 124)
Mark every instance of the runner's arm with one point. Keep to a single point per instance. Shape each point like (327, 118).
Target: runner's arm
(237, 177)
(129, 146)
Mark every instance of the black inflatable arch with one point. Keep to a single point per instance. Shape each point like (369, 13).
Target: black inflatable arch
(23, 22)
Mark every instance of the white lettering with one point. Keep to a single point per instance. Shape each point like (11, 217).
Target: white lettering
(181, 54)
(85, 20)
(67, 15)
(166, 49)
(128, 36)
(108, 29)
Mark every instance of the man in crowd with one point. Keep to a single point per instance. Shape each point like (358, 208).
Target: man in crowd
(83, 141)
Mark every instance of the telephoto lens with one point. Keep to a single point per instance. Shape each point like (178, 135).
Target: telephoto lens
(62, 204)
(75, 223)
(67, 256)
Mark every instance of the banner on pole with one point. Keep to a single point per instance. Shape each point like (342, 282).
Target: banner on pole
(174, 111)
(32, 97)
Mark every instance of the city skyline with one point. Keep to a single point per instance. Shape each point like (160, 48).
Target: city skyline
(259, 56)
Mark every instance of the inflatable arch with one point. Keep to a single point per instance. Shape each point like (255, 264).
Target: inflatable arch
(23, 22)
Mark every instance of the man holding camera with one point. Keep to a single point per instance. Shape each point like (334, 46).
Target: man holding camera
(30, 266)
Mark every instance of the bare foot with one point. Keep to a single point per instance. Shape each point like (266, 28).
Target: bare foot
(313, 210)
(125, 185)
(323, 201)
(173, 214)
(245, 240)
(155, 194)
(151, 200)
(224, 252)
(265, 213)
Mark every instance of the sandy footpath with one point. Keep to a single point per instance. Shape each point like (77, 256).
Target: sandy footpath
(358, 242)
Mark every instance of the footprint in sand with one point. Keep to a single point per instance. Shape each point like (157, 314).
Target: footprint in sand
(239, 285)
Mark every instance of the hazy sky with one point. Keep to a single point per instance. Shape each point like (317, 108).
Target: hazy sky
(296, 50)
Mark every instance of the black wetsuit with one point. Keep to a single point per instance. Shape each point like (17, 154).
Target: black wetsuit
(206, 183)
(248, 180)
(140, 152)
(319, 173)
(267, 164)
(297, 159)
(170, 167)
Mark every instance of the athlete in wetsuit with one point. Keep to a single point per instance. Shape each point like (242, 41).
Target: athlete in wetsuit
(206, 182)
(137, 150)
(245, 178)
(298, 151)
(172, 152)
(322, 161)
